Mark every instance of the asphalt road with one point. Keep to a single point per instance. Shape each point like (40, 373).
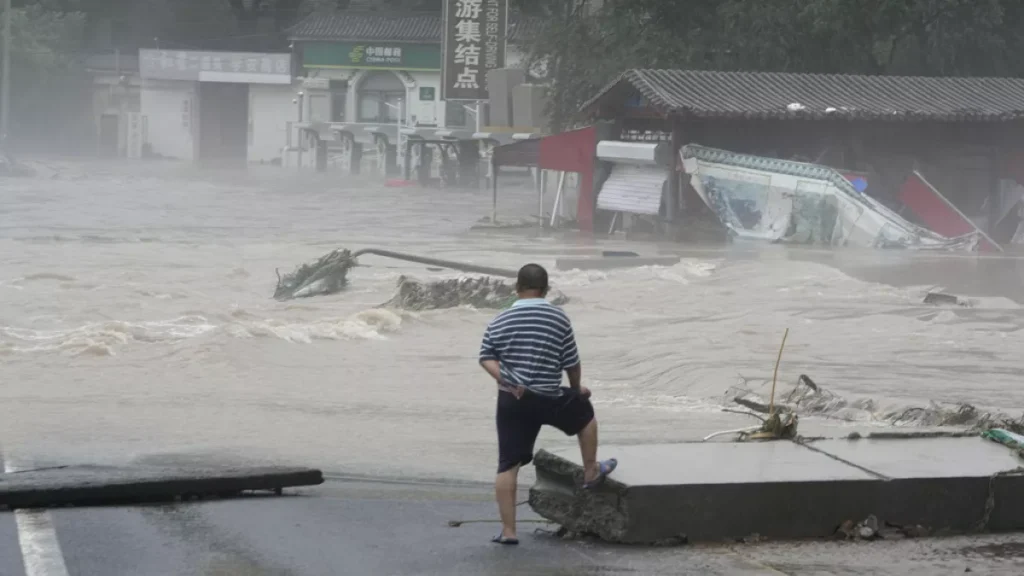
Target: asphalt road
(367, 528)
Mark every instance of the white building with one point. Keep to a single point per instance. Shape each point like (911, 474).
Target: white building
(115, 99)
(216, 108)
(366, 61)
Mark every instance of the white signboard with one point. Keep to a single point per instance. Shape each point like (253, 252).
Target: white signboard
(240, 67)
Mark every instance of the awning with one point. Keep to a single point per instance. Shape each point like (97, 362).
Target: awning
(633, 189)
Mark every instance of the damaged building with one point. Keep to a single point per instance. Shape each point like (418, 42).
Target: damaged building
(874, 161)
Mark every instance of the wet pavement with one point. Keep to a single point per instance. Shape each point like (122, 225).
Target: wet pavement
(364, 528)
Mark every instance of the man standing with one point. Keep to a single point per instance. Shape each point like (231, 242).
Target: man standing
(525, 349)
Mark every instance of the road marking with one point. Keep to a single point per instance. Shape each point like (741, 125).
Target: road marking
(40, 549)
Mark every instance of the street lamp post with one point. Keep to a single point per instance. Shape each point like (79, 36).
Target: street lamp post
(300, 101)
(399, 157)
(5, 91)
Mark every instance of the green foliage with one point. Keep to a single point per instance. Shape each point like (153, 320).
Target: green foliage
(589, 43)
(47, 91)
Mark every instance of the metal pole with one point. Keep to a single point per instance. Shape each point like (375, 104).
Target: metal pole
(556, 211)
(5, 107)
(301, 132)
(541, 183)
(460, 266)
(494, 190)
(479, 118)
(399, 151)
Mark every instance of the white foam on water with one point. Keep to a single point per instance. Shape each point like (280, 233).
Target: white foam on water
(102, 338)
(367, 325)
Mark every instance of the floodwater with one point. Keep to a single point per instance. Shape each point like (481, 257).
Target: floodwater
(136, 322)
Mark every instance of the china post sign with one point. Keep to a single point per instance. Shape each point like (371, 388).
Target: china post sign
(475, 35)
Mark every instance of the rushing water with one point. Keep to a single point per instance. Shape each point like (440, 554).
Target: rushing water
(136, 321)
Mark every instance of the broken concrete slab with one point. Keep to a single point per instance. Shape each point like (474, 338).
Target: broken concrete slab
(613, 262)
(783, 490)
(93, 485)
(943, 483)
(712, 491)
(942, 299)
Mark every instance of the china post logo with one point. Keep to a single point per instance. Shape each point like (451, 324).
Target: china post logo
(357, 54)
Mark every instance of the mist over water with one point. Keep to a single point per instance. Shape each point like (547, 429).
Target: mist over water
(136, 320)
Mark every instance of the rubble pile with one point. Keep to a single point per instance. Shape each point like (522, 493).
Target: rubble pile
(478, 292)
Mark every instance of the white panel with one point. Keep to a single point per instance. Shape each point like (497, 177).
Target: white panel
(168, 108)
(426, 112)
(244, 78)
(270, 110)
(633, 189)
(641, 153)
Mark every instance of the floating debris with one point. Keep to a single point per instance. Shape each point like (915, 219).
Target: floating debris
(327, 275)
(940, 299)
(478, 292)
(808, 398)
(776, 200)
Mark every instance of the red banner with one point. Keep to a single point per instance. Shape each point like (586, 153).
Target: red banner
(939, 214)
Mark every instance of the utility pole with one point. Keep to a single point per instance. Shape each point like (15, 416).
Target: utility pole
(5, 90)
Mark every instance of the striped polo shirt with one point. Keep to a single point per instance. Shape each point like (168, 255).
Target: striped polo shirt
(534, 343)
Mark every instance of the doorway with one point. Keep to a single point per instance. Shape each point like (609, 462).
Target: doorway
(223, 124)
(110, 129)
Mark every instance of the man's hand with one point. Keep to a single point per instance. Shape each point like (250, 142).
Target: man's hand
(513, 389)
(585, 392)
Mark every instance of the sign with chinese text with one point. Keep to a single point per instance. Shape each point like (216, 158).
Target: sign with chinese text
(475, 37)
(240, 67)
(371, 56)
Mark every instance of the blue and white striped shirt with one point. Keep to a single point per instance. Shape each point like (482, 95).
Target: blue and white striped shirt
(533, 342)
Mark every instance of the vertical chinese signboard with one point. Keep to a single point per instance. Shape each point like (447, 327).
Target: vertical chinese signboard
(475, 35)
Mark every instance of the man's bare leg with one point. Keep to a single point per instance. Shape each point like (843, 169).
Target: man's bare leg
(505, 493)
(588, 450)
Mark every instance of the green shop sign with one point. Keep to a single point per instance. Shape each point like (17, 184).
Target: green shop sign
(371, 56)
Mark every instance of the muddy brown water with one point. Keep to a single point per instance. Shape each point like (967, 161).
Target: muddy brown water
(136, 320)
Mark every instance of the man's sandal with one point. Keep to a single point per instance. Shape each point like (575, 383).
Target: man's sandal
(604, 469)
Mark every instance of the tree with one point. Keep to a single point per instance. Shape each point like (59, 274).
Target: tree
(592, 42)
(45, 92)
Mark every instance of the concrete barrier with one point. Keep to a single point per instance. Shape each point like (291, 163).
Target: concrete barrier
(785, 490)
(82, 485)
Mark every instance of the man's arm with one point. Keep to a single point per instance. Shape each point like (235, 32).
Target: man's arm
(489, 357)
(493, 368)
(575, 375)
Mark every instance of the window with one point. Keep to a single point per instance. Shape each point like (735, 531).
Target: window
(427, 94)
(380, 96)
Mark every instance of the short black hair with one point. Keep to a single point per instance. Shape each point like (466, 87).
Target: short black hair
(532, 277)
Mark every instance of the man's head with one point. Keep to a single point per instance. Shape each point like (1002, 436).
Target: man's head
(532, 281)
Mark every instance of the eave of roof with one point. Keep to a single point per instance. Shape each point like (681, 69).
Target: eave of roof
(768, 95)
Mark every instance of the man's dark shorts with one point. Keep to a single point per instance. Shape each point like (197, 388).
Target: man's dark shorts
(519, 422)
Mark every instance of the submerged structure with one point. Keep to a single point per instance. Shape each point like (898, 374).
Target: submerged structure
(493, 288)
(883, 134)
(478, 292)
(795, 202)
